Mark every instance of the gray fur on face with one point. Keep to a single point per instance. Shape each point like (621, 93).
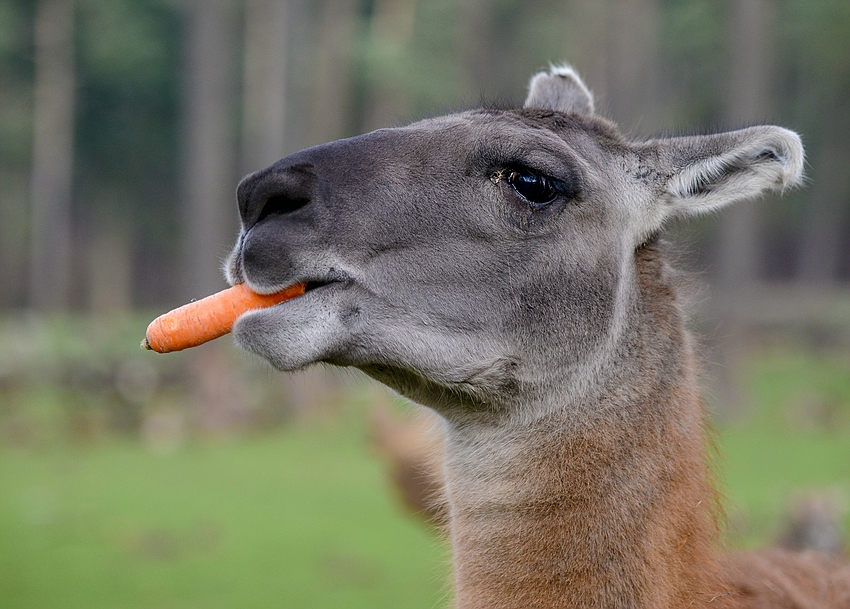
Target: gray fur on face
(429, 270)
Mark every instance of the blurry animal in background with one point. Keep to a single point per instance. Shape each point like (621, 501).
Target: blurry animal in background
(506, 268)
(813, 522)
(412, 447)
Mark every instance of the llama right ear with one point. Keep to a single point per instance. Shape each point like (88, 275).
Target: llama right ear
(559, 89)
(701, 174)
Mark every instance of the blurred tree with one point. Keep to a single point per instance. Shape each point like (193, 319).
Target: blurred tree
(16, 107)
(750, 25)
(331, 115)
(127, 136)
(480, 45)
(407, 61)
(265, 94)
(749, 72)
(210, 220)
(52, 156)
(149, 225)
(633, 82)
(693, 49)
(824, 237)
(584, 43)
(390, 33)
(820, 29)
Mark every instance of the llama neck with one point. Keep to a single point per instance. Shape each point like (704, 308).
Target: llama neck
(617, 514)
(610, 508)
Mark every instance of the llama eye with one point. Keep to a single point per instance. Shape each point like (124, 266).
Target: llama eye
(533, 187)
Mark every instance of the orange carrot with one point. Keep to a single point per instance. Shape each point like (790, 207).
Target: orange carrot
(203, 320)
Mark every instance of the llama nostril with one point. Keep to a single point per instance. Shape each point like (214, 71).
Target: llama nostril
(281, 204)
(283, 188)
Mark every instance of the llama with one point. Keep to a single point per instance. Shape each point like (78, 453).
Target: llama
(505, 268)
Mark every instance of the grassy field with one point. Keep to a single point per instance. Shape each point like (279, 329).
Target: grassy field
(793, 443)
(293, 519)
(303, 516)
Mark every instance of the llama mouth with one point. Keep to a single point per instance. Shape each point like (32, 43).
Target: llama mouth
(329, 281)
(312, 286)
(303, 330)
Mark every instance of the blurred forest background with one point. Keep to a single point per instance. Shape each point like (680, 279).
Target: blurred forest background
(125, 126)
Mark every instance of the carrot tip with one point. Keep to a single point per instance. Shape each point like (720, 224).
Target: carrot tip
(146, 345)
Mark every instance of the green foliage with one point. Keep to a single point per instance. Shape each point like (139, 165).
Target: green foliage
(452, 54)
(71, 380)
(128, 112)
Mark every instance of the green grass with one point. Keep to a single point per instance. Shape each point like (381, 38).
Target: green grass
(793, 442)
(294, 519)
(764, 471)
(304, 516)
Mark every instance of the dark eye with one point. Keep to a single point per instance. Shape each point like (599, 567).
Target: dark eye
(533, 187)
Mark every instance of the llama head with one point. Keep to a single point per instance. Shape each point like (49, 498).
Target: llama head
(481, 259)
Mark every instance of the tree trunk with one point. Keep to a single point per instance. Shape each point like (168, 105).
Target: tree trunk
(750, 24)
(331, 100)
(53, 153)
(829, 203)
(210, 219)
(391, 30)
(633, 74)
(265, 95)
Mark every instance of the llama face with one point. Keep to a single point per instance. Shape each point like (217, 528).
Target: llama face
(475, 258)
(460, 256)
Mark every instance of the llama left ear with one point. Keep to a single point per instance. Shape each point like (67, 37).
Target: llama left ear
(704, 173)
(559, 89)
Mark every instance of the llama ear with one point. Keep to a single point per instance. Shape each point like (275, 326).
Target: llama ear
(559, 89)
(705, 173)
